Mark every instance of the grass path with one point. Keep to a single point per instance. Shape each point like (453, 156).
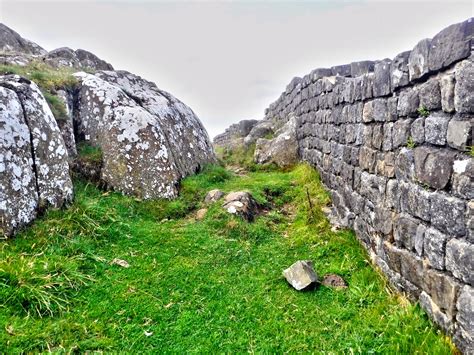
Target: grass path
(199, 286)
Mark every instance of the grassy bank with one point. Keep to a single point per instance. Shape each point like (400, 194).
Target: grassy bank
(213, 285)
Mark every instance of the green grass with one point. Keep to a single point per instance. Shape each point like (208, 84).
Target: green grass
(208, 286)
(423, 111)
(89, 152)
(49, 79)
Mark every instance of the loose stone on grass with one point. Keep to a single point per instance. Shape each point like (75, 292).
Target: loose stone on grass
(334, 281)
(301, 275)
(213, 196)
(241, 203)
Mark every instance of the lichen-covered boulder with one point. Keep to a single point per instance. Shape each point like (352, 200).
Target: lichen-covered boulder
(241, 203)
(149, 139)
(281, 150)
(261, 130)
(18, 193)
(34, 169)
(50, 156)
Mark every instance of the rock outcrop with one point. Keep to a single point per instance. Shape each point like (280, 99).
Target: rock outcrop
(147, 139)
(281, 150)
(34, 169)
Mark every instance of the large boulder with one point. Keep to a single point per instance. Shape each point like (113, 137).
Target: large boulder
(12, 42)
(149, 139)
(33, 156)
(67, 57)
(281, 150)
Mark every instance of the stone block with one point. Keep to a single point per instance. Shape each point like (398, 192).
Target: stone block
(392, 196)
(320, 73)
(418, 60)
(399, 70)
(387, 136)
(361, 68)
(417, 130)
(405, 165)
(419, 239)
(464, 88)
(373, 187)
(450, 45)
(408, 102)
(414, 200)
(368, 112)
(460, 260)
(436, 128)
(433, 166)
(383, 220)
(392, 256)
(411, 268)
(443, 290)
(377, 136)
(459, 132)
(447, 214)
(341, 70)
(382, 78)
(401, 132)
(434, 248)
(405, 228)
(463, 178)
(434, 312)
(430, 95)
(447, 92)
(465, 320)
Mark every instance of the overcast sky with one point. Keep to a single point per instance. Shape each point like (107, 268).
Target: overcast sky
(229, 60)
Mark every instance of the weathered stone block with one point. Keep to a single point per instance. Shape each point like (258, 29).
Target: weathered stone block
(419, 239)
(373, 187)
(414, 200)
(447, 214)
(320, 73)
(368, 112)
(392, 196)
(450, 45)
(434, 312)
(382, 78)
(411, 268)
(460, 260)
(418, 60)
(399, 70)
(443, 290)
(408, 102)
(465, 319)
(377, 136)
(383, 220)
(401, 133)
(433, 166)
(387, 136)
(367, 159)
(417, 130)
(463, 178)
(405, 228)
(392, 256)
(436, 128)
(434, 248)
(341, 70)
(430, 95)
(459, 133)
(405, 165)
(361, 68)
(464, 89)
(447, 92)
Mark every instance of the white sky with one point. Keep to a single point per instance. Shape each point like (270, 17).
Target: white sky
(229, 60)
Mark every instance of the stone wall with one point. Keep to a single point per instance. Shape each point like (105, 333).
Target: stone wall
(392, 140)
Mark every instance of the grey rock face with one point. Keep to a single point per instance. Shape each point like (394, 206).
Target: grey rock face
(281, 150)
(408, 102)
(241, 203)
(18, 191)
(50, 153)
(67, 57)
(301, 275)
(33, 158)
(149, 139)
(382, 78)
(10, 41)
(430, 95)
(447, 214)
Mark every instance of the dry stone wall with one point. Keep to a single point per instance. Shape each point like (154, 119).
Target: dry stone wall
(392, 140)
